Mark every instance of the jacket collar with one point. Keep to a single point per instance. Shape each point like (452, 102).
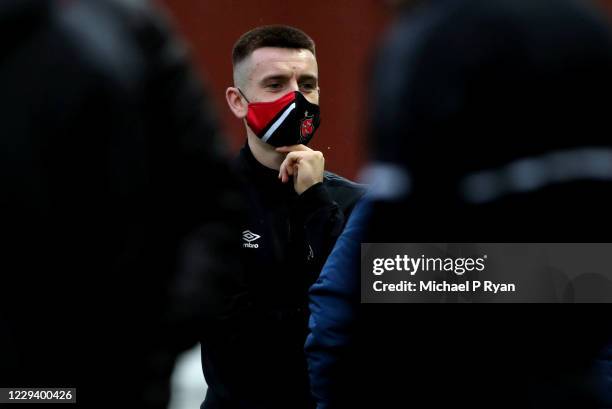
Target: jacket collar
(262, 175)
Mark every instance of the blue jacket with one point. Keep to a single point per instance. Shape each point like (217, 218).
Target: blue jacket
(334, 302)
(603, 377)
(334, 307)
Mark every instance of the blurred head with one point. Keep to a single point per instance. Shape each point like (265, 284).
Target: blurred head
(402, 4)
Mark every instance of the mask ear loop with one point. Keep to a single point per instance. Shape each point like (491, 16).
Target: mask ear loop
(243, 96)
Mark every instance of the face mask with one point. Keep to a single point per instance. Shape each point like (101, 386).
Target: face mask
(290, 120)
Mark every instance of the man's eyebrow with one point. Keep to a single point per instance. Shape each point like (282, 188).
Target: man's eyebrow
(283, 77)
(274, 77)
(308, 77)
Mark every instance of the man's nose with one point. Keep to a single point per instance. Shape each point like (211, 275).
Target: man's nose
(293, 85)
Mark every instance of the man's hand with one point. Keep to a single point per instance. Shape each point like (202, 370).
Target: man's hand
(305, 165)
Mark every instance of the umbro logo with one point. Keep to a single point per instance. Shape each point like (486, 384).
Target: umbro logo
(250, 237)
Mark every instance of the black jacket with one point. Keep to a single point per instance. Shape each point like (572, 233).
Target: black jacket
(105, 140)
(255, 359)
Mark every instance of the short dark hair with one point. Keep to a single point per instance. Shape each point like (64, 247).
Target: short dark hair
(270, 36)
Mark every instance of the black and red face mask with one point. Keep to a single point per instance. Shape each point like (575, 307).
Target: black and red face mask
(289, 120)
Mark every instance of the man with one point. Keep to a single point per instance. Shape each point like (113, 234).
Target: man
(462, 90)
(490, 124)
(106, 136)
(255, 357)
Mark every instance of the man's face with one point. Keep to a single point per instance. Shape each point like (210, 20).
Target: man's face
(269, 73)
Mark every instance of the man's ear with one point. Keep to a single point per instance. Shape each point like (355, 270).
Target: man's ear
(236, 102)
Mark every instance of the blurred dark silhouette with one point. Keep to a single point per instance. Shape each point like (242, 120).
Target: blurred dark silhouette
(490, 123)
(111, 167)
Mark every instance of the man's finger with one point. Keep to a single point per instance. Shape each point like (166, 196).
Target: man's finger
(286, 168)
(291, 163)
(292, 148)
(282, 173)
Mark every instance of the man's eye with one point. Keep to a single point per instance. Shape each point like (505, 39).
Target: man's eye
(308, 87)
(274, 85)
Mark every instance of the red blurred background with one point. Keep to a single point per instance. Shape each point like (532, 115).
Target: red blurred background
(345, 33)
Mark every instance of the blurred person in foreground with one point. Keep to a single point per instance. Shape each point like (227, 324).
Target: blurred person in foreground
(255, 358)
(515, 91)
(117, 198)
